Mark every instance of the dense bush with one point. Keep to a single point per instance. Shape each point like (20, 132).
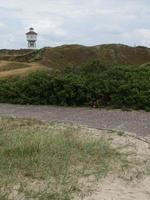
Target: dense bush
(119, 87)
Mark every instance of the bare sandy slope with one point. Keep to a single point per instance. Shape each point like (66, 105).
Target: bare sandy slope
(115, 189)
(131, 185)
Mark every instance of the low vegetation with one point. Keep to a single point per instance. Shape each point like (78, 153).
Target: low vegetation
(62, 56)
(58, 155)
(105, 85)
(11, 69)
(7, 66)
(44, 161)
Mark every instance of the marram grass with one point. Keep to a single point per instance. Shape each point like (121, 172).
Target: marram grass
(42, 151)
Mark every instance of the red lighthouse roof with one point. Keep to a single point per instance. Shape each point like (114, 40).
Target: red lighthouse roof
(31, 32)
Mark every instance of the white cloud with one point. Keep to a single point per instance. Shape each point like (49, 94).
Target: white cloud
(138, 36)
(2, 25)
(46, 26)
(143, 33)
(75, 21)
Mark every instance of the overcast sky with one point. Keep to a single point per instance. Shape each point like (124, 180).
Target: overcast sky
(87, 22)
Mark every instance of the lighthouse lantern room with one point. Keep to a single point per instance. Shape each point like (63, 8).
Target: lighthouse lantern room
(31, 38)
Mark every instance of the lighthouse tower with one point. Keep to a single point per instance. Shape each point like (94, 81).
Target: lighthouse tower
(31, 38)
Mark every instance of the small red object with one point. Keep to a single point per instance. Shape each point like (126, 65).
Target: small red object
(94, 105)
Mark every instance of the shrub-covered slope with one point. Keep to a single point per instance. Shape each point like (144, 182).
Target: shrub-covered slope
(105, 85)
(109, 75)
(76, 54)
(62, 56)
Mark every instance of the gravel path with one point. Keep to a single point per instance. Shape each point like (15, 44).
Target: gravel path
(136, 121)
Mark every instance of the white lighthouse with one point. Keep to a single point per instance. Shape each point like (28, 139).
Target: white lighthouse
(31, 38)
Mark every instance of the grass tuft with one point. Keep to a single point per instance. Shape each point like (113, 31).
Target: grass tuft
(38, 151)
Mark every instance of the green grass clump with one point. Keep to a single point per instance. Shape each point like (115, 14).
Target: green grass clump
(31, 152)
(59, 155)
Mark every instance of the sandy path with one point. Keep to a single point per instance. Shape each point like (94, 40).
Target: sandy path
(29, 67)
(136, 121)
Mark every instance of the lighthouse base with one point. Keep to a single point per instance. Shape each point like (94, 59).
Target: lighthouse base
(32, 44)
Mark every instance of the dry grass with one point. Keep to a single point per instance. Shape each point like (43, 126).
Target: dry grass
(74, 55)
(8, 69)
(8, 65)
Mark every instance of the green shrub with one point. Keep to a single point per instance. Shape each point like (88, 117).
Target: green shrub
(116, 86)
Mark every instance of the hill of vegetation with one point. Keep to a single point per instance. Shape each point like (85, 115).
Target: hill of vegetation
(76, 55)
(102, 84)
(106, 75)
(66, 55)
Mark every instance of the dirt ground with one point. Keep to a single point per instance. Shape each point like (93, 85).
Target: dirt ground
(133, 121)
(115, 189)
(122, 186)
